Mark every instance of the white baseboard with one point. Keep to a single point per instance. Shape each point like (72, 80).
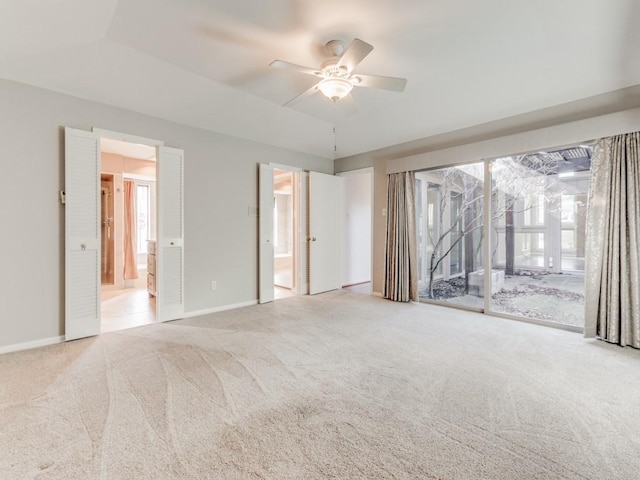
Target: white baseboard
(206, 311)
(26, 346)
(377, 294)
(53, 340)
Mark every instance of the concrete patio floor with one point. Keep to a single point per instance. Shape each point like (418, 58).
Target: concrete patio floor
(555, 297)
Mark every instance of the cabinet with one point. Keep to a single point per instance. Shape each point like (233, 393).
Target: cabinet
(151, 267)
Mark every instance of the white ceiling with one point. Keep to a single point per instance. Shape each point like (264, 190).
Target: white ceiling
(205, 62)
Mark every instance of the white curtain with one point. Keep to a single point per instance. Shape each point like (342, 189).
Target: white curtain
(401, 273)
(612, 269)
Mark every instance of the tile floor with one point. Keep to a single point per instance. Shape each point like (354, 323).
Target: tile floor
(126, 308)
(133, 307)
(279, 292)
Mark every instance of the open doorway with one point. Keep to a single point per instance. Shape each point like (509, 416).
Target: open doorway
(282, 232)
(82, 197)
(357, 218)
(285, 239)
(128, 234)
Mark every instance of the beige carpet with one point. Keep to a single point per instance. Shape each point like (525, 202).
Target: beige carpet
(340, 385)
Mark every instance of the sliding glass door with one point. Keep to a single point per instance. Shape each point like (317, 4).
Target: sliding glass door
(538, 233)
(536, 204)
(449, 211)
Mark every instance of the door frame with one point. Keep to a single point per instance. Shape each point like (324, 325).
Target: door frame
(299, 236)
(126, 137)
(300, 281)
(100, 134)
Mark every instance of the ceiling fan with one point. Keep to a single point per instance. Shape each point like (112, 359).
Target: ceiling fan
(337, 76)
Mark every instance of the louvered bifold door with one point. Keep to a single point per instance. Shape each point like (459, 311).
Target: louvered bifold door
(82, 234)
(170, 251)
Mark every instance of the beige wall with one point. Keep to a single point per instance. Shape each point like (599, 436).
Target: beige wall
(220, 184)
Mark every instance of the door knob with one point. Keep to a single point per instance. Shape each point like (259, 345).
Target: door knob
(313, 239)
(83, 246)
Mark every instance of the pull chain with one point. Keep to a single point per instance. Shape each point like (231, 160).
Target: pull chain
(335, 146)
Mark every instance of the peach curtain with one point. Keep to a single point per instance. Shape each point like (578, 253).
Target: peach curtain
(130, 263)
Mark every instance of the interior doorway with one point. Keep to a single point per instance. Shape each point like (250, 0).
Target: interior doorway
(81, 197)
(128, 234)
(357, 225)
(285, 228)
(317, 227)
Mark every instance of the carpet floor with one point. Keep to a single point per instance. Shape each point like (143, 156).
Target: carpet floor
(339, 385)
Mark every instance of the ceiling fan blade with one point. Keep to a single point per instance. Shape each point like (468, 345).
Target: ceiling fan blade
(306, 93)
(296, 68)
(385, 83)
(354, 54)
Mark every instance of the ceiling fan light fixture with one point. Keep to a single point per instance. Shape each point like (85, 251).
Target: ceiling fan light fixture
(335, 88)
(337, 74)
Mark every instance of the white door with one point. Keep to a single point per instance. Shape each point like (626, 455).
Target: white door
(324, 232)
(170, 241)
(82, 234)
(265, 233)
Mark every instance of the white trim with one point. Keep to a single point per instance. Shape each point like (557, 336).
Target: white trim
(28, 345)
(125, 137)
(281, 166)
(299, 263)
(377, 294)
(223, 308)
(355, 172)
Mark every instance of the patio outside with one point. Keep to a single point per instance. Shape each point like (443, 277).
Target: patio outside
(538, 212)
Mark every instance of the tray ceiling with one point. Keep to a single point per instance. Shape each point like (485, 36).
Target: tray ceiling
(206, 64)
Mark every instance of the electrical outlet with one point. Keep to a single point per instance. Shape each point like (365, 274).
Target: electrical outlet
(214, 284)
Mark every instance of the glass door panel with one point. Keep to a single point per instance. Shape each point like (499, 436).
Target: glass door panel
(537, 230)
(449, 221)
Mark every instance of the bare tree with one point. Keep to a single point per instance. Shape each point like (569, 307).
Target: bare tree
(468, 218)
(515, 180)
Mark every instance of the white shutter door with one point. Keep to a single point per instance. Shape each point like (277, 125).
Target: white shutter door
(265, 212)
(325, 222)
(82, 234)
(170, 242)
